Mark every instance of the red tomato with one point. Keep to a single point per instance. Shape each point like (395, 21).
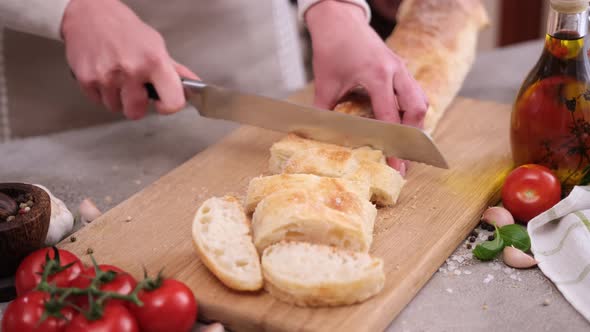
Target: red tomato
(28, 274)
(170, 307)
(24, 314)
(530, 190)
(115, 318)
(123, 283)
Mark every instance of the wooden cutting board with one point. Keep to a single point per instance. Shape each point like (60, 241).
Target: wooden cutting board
(436, 211)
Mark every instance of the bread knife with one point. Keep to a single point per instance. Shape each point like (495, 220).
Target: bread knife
(397, 140)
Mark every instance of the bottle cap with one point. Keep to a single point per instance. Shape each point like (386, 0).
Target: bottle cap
(569, 6)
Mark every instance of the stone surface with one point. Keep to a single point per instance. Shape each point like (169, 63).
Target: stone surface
(112, 162)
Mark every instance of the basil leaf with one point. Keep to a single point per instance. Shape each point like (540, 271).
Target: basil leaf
(516, 236)
(488, 250)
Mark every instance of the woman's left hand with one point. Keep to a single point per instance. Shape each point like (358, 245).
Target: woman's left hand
(348, 53)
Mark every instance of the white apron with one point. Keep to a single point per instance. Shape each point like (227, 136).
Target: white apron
(250, 45)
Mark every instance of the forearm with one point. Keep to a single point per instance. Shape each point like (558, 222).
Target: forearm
(306, 5)
(39, 17)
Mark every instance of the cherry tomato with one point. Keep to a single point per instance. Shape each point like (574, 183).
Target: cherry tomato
(123, 283)
(28, 274)
(115, 318)
(530, 190)
(169, 307)
(24, 314)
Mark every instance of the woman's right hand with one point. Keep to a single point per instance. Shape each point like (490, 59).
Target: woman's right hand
(113, 53)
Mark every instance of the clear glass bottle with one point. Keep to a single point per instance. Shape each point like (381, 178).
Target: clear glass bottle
(551, 116)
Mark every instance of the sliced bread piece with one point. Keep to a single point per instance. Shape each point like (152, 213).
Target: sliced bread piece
(296, 155)
(365, 153)
(283, 150)
(386, 183)
(321, 161)
(221, 235)
(310, 275)
(339, 218)
(260, 187)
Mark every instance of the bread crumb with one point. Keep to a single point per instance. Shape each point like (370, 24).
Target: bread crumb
(449, 290)
(546, 302)
(488, 278)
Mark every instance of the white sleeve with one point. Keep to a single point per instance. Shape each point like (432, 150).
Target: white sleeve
(304, 5)
(39, 17)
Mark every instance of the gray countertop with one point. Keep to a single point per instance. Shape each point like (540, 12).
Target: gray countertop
(109, 163)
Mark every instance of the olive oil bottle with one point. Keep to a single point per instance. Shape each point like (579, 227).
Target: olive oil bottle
(550, 122)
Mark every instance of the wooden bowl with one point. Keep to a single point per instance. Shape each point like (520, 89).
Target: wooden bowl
(27, 232)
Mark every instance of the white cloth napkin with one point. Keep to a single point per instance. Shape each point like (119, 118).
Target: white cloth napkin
(560, 241)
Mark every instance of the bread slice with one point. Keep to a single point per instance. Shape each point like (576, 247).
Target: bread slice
(261, 187)
(322, 161)
(365, 153)
(339, 218)
(385, 182)
(296, 155)
(283, 150)
(221, 235)
(311, 275)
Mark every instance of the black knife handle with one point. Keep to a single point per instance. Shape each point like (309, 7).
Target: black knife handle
(151, 91)
(149, 87)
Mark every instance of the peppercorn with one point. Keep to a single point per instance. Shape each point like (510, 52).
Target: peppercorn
(474, 233)
(89, 251)
(468, 246)
(491, 237)
(73, 239)
(472, 239)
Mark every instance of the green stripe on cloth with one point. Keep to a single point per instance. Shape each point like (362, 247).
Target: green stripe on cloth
(552, 215)
(578, 279)
(583, 218)
(561, 242)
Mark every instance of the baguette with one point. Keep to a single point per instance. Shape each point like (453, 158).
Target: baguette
(261, 187)
(437, 39)
(339, 218)
(221, 235)
(311, 275)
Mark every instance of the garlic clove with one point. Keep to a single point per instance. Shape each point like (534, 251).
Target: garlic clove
(498, 216)
(61, 221)
(215, 327)
(516, 258)
(88, 210)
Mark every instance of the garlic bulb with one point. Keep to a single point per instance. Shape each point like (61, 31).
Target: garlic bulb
(516, 258)
(498, 216)
(61, 222)
(88, 211)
